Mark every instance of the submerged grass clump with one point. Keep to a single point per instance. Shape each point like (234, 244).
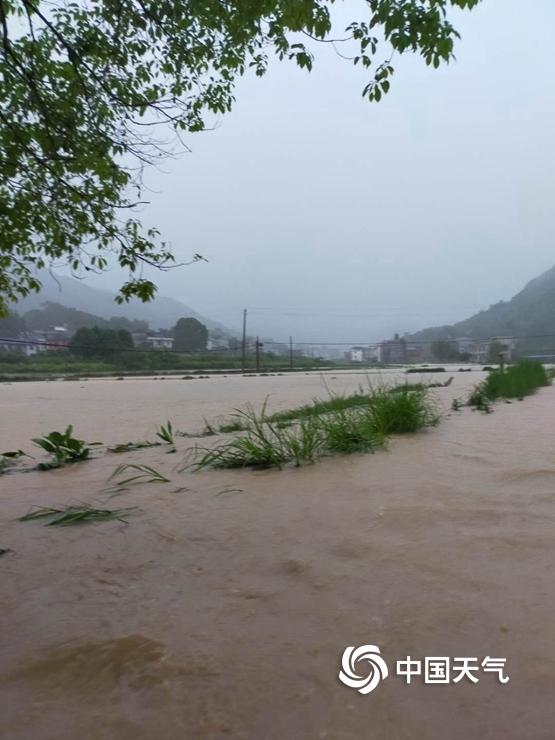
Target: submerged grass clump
(407, 387)
(348, 431)
(517, 381)
(333, 404)
(479, 400)
(72, 515)
(263, 445)
(234, 425)
(403, 412)
(343, 424)
(63, 447)
(165, 433)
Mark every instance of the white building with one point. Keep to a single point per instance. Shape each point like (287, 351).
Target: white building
(374, 353)
(465, 345)
(507, 343)
(160, 342)
(364, 354)
(479, 352)
(19, 345)
(356, 354)
(28, 344)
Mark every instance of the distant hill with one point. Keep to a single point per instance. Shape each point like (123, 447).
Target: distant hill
(161, 313)
(55, 314)
(530, 312)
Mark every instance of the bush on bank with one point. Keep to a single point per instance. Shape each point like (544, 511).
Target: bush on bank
(516, 381)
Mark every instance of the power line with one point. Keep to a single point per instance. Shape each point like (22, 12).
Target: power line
(392, 313)
(408, 340)
(146, 350)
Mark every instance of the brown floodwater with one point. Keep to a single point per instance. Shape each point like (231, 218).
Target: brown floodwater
(222, 607)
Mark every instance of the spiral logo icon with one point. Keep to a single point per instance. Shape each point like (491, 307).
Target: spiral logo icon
(348, 674)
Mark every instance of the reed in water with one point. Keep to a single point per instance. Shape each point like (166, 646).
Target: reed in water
(344, 424)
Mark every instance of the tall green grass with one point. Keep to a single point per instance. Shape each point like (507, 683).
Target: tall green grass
(516, 381)
(343, 424)
(333, 404)
(350, 430)
(165, 433)
(403, 412)
(264, 444)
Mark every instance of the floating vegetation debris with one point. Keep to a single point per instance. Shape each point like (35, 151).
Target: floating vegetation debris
(14, 454)
(209, 430)
(73, 515)
(63, 447)
(229, 490)
(142, 474)
(408, 387)
(5, 464)
(234, 425)
(130, 446)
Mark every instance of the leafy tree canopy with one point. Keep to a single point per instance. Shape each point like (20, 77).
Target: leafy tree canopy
(103, 344)
(189, 335)
(85, 86)
(445, 351)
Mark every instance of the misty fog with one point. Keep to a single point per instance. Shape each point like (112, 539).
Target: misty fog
(331, 218)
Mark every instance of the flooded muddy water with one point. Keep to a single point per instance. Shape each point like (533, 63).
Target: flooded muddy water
(222, 606)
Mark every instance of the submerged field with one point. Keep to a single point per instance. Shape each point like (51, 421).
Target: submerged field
(133, 408)
(222, 607)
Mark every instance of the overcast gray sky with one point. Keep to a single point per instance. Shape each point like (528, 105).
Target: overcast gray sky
(331, 218)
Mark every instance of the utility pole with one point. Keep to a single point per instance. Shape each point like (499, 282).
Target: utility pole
(244, 346)
(290, 353)
(258, 345)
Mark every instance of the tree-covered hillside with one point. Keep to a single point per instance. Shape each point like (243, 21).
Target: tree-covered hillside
(529, 314)
(54, 314)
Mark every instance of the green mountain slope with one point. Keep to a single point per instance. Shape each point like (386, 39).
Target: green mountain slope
(528, 314)
(161, 313)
